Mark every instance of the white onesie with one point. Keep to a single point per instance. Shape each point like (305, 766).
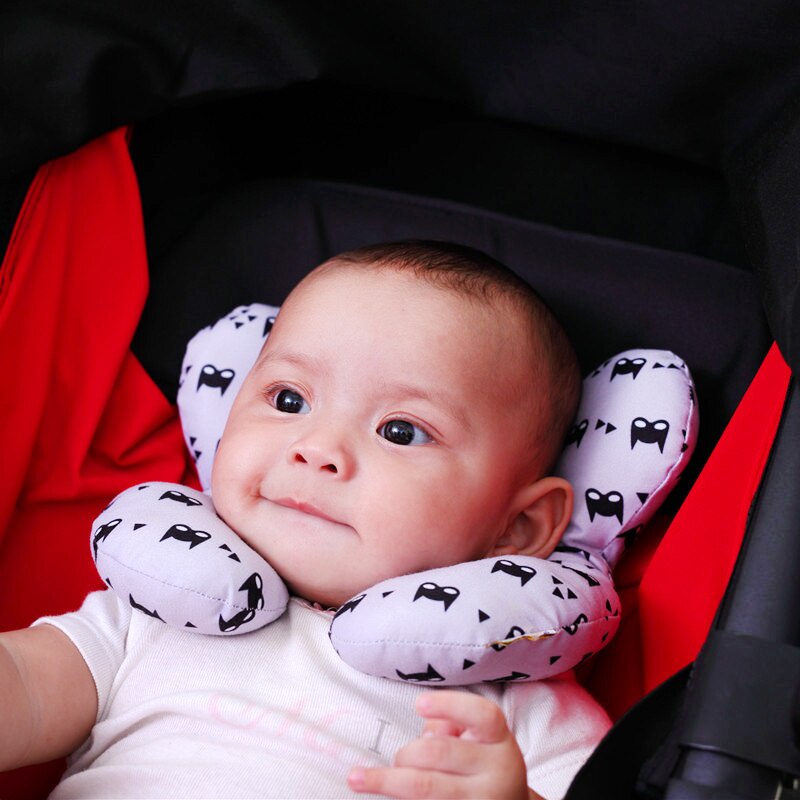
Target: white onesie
(274, 713)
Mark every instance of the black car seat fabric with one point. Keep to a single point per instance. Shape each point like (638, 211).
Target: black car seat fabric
(253, 241)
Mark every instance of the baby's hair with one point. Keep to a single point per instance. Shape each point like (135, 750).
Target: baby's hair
(476, 275)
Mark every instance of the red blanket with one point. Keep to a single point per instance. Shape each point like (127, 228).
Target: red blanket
(80, 418)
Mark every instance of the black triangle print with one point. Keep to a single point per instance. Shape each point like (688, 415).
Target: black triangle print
(608, 605)
(137, 525)
(108, 581)
(386, 594)
(610, 428)
(146, 486)
(467, 664)
(684, 447)
(674, 366)
(189, 625)
(251, 317)
(599, 424)
(187, 369)
(224, 547)
(553, 659)
(234, 557)
(571, 595)
(482, 616)
(557, 593)
(238, 324)
(192, 440)
(642, 496)
(658, 366)
(605, 636)
(197, 454)
(555, 580)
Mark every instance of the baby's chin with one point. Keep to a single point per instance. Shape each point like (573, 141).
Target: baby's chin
(332, 589)
(320, 595)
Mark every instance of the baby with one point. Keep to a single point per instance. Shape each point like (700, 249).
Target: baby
(403, 415)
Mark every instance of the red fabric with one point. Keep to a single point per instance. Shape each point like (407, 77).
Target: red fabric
(684, 582)
(666, 621)
(80, 420)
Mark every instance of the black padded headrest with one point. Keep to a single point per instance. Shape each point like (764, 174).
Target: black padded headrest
(256, 240)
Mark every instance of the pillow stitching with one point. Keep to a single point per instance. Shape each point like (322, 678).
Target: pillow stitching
(187, 588)
(463, 645)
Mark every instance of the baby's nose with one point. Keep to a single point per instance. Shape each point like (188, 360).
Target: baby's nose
(322, 453)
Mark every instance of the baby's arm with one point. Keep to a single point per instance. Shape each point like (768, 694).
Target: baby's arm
(466, 750)
(48, 701)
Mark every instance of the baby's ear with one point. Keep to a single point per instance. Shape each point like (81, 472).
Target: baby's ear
(542, 511)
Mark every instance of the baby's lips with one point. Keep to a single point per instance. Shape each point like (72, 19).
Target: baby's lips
(305, 508)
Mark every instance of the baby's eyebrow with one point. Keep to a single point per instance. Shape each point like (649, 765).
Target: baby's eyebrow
(441, 399)
(304, 360)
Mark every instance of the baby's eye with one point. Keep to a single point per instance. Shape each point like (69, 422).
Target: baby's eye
(290, 402)
(401, 431)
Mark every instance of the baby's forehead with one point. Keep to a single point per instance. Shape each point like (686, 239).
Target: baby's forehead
(493, 333)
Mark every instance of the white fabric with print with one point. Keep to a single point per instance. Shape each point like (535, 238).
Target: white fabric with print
(164, 550)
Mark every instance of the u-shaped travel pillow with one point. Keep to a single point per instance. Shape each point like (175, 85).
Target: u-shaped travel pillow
(164, 550)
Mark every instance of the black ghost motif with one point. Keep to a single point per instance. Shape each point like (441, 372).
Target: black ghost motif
(254, 586)
(512, 634)
(588, 578)
(183, 533)
(606, 505)
(627, 366)
(521, 571)
(179, 497)
(349, 605)
(236, 621)
(215, 378)
(573, 628)
(102, 533)
(514, 676)
(447, 595)
(647, 432)
(147, 611)
(566, 548)
(576, 433)
(429, 675)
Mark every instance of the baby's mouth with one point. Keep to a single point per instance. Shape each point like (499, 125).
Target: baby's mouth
(305, 508)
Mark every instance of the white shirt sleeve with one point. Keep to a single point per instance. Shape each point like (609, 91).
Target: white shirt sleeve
(557, 724)
(99, 630)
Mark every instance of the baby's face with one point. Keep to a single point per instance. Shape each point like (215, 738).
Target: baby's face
(380, 433)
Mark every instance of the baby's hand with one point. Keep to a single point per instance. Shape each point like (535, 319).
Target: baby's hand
(466, 750)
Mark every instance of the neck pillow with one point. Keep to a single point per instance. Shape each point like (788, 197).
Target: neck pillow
(164, 550)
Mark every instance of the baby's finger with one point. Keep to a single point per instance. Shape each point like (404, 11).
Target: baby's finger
(481, 719)
(406, 783)
(440, 727)
(444, 754)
